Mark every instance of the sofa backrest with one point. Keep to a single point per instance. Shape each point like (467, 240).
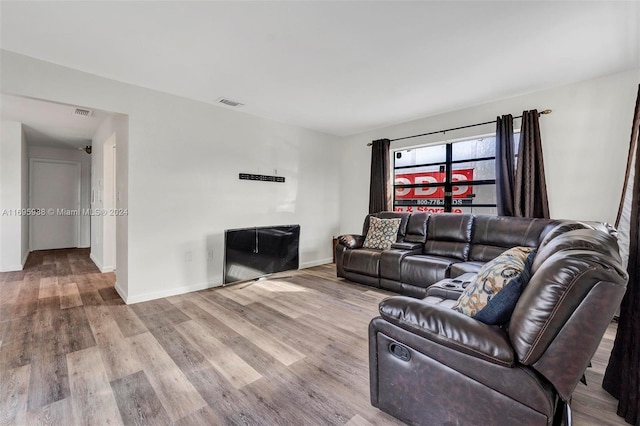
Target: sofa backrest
(565, 309)
(417, 228)
(449, 235)
(579, 238)
(402, 230)
(493, 235)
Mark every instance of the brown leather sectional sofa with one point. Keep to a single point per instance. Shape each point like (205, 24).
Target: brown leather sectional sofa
(431, 365)
(432, 247)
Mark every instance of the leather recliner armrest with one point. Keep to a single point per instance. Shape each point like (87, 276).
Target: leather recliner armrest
(351, 241)
(449, 328)
(407, 246)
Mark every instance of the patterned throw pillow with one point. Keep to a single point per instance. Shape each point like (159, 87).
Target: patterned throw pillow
(491, 278)
(500, 307)
(382, 233)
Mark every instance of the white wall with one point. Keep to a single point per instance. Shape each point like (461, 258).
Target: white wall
(24, 154)
(585, 143)
(178, 176)
(108, 203)
(14, 238)
(97, 187)
(65, 154)
(103, 228)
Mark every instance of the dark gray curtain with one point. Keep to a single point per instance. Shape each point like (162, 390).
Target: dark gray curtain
(622, 377)
(505, 165)
(380, 189)
(530, 193)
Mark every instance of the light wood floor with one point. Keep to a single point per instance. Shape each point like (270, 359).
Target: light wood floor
(279, 352)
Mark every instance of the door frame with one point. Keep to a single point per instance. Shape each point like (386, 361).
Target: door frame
(32, 161)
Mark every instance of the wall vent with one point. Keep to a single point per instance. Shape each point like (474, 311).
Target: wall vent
(83, 112)
(229, 102)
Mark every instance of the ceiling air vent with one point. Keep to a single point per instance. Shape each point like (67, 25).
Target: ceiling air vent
(229, 102)
(83, 112)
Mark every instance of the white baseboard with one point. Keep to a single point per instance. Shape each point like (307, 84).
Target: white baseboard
(316, 263)
(95, 261)
(120, 292)
(103, 269)
(166, 293)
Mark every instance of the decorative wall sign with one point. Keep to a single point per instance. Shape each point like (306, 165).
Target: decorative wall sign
(263, 178)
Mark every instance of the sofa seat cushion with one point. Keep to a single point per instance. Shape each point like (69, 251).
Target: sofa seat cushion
(363, 261)
(423, 270)
(448, 328)
(461, 268)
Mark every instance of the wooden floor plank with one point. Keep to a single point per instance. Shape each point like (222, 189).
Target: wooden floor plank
(27, 301)
(49, 287)
(215, 327)
(54, 414)
(274, 298)
(116, 352)
(49, 380)
(48, 314)
(138, 403)
(9, 291)
(181, 351)
(14, 385)
(75, 324)
(279, 350)
(203, 417)
(165, 318)
(232, 367)
(69, 296)
(178, 396)
(240, 295)
(357, 420)
(127, 320)
(232, 406)
(90, 389)
(17, 342)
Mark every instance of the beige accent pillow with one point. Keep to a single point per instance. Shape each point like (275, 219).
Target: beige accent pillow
(491, 278)
(382, 233)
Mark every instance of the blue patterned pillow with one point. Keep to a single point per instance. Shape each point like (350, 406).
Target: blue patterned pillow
(500, 307)
(491, 278)
(382, 233)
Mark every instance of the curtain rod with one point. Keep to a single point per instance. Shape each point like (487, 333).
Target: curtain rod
(546, 111)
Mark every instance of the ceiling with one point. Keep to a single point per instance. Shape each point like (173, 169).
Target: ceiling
(338, 67)
(50, 124)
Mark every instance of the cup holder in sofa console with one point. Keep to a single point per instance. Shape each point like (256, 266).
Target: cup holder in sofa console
(449, 285)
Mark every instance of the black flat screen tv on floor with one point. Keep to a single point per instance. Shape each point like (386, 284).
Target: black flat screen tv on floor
(251, 253)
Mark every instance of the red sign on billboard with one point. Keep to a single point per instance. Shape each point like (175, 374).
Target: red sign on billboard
(459, 191)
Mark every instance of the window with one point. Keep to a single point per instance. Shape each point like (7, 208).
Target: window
(458, 177)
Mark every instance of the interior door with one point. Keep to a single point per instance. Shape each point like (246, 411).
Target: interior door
(54, 188)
